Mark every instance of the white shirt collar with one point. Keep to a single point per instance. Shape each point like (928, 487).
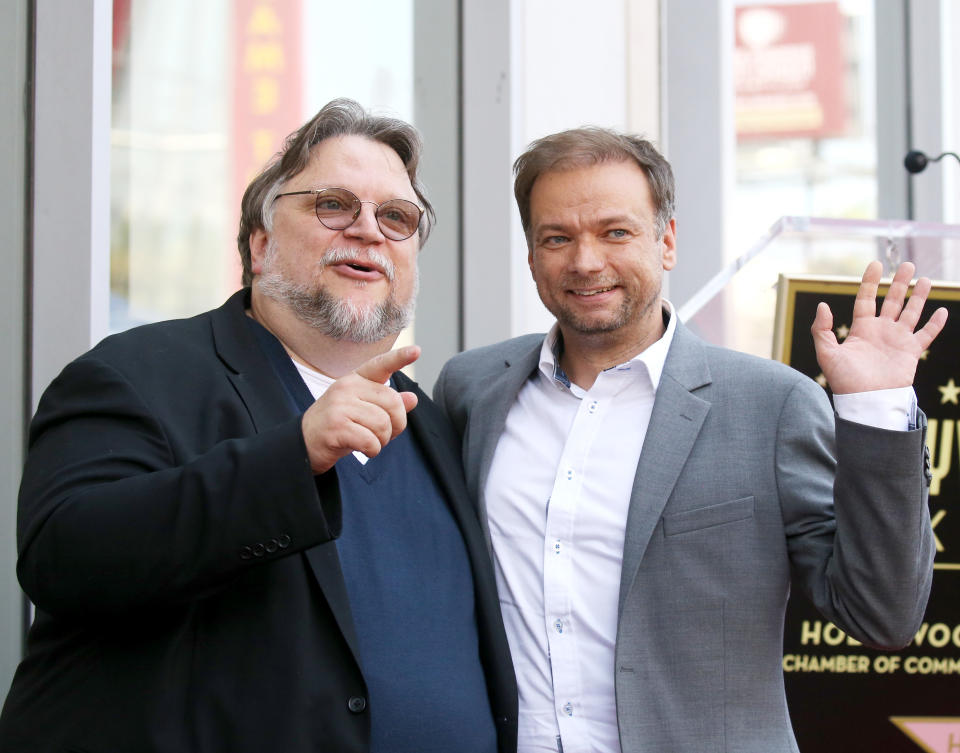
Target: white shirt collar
(652, 359)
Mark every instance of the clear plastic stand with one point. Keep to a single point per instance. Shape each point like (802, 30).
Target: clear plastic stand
(737, 308)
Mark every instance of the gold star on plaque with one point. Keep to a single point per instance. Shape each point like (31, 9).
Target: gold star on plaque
(950, 392)
(842, 331)
(923, 356)
(821, 380)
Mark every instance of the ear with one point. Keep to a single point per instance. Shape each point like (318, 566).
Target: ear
(669, 245)
(258, 250)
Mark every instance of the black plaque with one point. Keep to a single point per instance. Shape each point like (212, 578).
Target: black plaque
(842, 695)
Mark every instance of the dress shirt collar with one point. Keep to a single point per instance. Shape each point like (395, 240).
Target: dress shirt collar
(652, 359)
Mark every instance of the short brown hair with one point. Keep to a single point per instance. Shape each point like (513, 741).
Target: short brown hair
(340, 117)
(590, 146)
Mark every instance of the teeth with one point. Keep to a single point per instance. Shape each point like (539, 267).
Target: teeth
(591, 292)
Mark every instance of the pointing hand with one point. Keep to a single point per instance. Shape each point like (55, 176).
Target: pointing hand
(359, 411)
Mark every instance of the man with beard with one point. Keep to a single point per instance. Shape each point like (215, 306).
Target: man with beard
(232, 541)
(647, 496)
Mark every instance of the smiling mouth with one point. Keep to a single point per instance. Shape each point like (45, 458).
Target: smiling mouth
(587, 293)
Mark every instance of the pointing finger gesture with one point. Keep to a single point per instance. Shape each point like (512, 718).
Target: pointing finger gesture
(358, 411)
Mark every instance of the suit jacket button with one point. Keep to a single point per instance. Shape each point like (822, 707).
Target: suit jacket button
(271, 546)
(283, 540)
(258, 550)
(246, 553)
(356, 704)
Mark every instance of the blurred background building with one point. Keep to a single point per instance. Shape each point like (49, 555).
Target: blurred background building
(131, 127)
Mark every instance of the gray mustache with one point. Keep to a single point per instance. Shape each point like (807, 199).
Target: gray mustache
(337, 255)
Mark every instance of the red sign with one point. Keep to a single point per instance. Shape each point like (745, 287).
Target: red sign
(267, 87)
(788, 71)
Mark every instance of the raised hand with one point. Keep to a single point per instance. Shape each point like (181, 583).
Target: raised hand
(359, 411)
(882, 350)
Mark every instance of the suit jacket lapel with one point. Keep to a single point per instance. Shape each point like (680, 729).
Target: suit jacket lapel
(675, 423)
(487, 424)
(266, 401)
(248, 368)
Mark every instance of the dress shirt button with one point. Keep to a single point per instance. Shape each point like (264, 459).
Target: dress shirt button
(356, 704)
(258, 549)
(558, 625)
(283, 540)
(556, 546)
(593, 406)
(569, 474)
(272, 546)
(568, 709)
(246, 553)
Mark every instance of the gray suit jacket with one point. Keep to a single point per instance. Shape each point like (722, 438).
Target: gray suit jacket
(743, 481)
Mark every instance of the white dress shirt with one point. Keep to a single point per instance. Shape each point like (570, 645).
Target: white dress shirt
(557, 498)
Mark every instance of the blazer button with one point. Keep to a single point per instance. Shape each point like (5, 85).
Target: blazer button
(246, 553)
(258, 550)
(283, 540)
(271, 546)
(356, 704)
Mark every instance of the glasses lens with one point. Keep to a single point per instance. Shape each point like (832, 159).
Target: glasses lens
(398, 219)
(337, 208)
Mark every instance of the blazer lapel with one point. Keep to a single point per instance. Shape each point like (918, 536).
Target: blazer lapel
(247, 367)
(264, 396)
(675, 423)
(487, 424)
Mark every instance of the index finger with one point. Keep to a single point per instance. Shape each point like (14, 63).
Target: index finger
(865, 304)
(379, 368)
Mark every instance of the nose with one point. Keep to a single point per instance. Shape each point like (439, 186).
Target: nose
(365, 227)
(587, 258)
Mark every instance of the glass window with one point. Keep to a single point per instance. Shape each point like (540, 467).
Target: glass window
(805, 118)
(805, 84)
(203, 95)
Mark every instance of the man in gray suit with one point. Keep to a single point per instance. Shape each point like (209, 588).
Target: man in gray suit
(648, 497)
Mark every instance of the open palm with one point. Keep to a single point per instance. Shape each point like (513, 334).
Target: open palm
(881, 351)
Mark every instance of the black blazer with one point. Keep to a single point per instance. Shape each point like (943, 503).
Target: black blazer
(179, 552)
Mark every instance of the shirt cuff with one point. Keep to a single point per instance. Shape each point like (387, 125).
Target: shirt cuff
(894, 409)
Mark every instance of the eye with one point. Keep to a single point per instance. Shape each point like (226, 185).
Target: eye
(330, 204)
(618, 233)
(552, 241)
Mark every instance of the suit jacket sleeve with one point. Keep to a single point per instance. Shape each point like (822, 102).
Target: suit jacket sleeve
(123, 508)
(865, 559)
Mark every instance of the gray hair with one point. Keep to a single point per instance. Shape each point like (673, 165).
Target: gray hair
(340, 117)
(590, 146)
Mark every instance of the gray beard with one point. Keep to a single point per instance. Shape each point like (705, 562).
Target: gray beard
(334, 317)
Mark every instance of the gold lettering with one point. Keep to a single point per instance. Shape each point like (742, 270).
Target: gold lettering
(264, 56)
(939, 635)
(264, 21)
(266, 95)
(940, 468)
(832, 635)
(941, 514)
(953, 743)
(810, 633)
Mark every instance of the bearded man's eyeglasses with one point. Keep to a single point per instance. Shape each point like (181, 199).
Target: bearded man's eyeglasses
(338, 209)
